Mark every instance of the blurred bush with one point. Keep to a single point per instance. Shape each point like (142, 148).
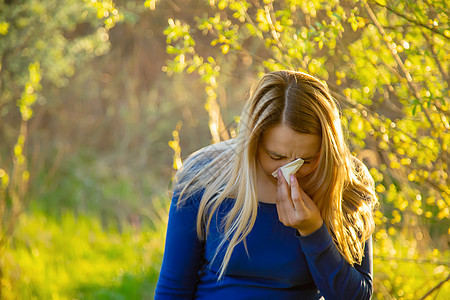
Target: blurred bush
(38, 48)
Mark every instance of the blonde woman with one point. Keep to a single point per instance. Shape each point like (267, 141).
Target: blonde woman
(239, 230)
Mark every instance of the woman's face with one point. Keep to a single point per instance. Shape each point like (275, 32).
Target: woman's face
(280, 145)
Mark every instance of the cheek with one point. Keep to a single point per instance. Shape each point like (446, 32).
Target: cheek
(305, 170)
(268, 165)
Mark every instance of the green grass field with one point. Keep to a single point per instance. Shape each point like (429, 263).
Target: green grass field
(74, 257)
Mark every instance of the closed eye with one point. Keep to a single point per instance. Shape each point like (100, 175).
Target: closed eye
(275, 158)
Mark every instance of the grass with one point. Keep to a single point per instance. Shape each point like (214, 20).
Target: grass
(74, 257)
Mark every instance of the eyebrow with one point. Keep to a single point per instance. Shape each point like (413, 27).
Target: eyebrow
(282, 156)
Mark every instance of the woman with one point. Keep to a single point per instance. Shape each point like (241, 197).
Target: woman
(237, 232)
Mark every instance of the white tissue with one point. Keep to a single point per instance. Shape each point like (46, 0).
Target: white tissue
(290, 168)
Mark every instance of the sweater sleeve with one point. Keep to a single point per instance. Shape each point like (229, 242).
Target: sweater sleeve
(183, 253)
(334, 276)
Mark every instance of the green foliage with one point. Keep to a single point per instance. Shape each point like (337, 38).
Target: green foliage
(48, 33)
(403, 271)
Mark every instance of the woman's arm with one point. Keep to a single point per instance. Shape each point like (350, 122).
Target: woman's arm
(333, 275)
(183, 253)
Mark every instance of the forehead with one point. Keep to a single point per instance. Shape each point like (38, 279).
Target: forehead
(283, 140)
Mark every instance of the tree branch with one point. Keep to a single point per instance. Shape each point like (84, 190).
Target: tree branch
(410, 19)
(413, 260)
(436, 59)
(435, 287)
(398, 60)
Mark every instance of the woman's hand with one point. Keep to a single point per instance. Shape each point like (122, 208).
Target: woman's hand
(295, 208)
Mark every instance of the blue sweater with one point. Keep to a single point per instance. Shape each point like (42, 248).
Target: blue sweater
(279, 263)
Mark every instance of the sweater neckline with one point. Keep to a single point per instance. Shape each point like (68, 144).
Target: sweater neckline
(266, 203)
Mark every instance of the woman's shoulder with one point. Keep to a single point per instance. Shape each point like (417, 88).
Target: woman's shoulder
(202, 166)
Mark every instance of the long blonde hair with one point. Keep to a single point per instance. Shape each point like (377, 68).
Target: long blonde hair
(340, 186)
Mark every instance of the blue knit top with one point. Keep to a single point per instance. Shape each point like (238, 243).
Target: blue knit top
(277, 264)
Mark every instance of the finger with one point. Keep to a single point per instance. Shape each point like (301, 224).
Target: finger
(282, 188)
(296, 195)
(282, 196)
